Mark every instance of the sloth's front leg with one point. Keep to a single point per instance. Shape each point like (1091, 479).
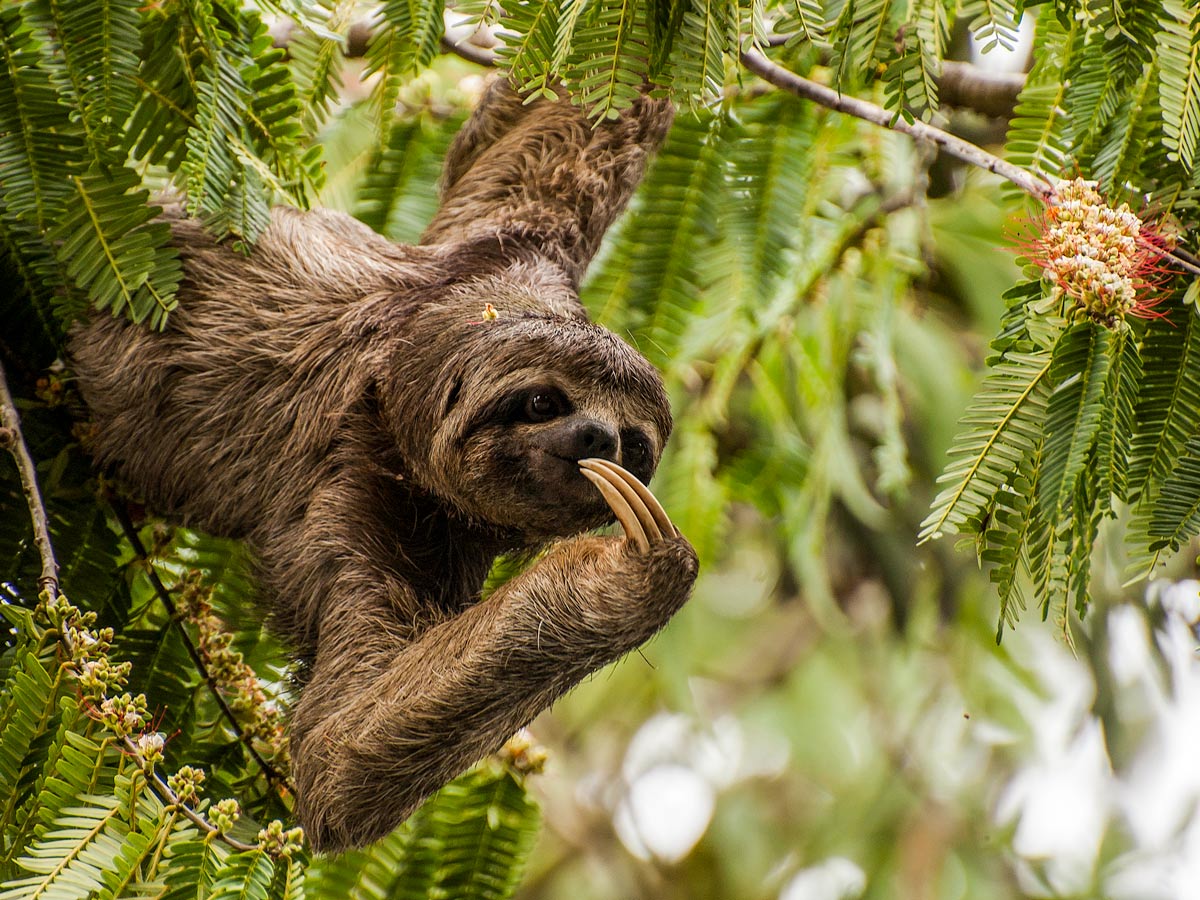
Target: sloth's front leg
(463, 687)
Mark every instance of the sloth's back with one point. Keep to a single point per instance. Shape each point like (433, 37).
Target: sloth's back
(237, 397)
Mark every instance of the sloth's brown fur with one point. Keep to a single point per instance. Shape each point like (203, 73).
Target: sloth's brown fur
(343, 404)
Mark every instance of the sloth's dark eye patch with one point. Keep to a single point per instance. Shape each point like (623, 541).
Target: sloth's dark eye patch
(545, 403)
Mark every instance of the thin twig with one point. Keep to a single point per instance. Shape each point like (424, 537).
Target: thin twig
(169, 797)
(877, 115)
(274, 777)
(14, 441)
(1038, 187)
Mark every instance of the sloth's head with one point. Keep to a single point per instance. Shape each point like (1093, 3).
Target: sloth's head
(518, 401)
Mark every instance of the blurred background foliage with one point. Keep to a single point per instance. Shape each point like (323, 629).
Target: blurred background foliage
(831, 716)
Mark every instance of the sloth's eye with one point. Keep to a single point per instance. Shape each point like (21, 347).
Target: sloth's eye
(541, 406)
(635, 450)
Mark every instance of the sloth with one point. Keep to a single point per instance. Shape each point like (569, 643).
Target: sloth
(379, 422)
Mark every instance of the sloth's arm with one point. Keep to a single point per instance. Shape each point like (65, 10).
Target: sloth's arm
(381, 729)
(543, 178)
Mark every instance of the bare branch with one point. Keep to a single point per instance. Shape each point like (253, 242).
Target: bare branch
(954, 146)
(14, 441)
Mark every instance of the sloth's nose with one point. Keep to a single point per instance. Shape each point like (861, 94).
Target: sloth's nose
(589, 438)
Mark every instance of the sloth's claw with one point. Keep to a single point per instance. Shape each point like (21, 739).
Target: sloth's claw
(658, 514)
(625, 515)
(640, 514)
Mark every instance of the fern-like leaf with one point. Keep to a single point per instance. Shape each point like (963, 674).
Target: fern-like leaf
(994, 23)
(94, 60)
(1012, 521)
(862, 37)
(1176, 515)
(416, 28)
(30, 695)
(707, 38)
(531, 36)
(36, 146)
(471, 840)
(610, 56)
(317, 61)
(192, 867)
(244, 876)
(1039, 131)
(1168, 407)
(1129, 147)
(650, 283)
(1079, 372)
(113, 251)
(1179, 84)
(804, 20)
(1003, 426)
(912, 78)
(84, 842)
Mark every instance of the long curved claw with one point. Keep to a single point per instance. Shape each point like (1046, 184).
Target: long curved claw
(648, 499)
(621, 509)
(644, 516)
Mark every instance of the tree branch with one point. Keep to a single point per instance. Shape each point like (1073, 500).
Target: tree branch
(14, 441)
(954, 146)
(274, 777)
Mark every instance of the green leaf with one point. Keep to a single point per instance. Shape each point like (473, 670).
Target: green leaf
(1179, 84)
(994, 23)
(1003, 426)
(707, 39)
(244, 876)
(93, 60)
(531, 35)
(471, 839)
(1168, 406)
(192, 866)
(1176, 512)
(70, 860)
(113, 251)
(1079, 372)
(1039, 131)
(610, 56)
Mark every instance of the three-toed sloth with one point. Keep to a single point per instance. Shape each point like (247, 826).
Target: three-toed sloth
(358, 413)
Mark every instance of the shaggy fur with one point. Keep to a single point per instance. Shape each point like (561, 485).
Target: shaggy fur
(344, 405)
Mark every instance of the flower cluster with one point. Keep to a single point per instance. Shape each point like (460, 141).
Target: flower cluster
(186, 784)
(522, 754)
(128, 716)
(258, 715)
(279, 842)
(125, 714)
(88, 647)
(1099, 256)
(224, 814)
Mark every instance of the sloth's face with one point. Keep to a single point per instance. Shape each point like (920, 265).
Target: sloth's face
(516, 436)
